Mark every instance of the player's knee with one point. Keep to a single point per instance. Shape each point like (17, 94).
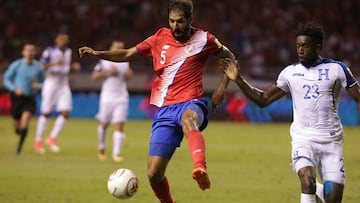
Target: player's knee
(46, 115)
(190, 121)
(154, 176)
(307, 179)
(65, 114)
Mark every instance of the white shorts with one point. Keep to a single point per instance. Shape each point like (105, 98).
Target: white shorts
(114, 112)
(327, 158)
(58, 99)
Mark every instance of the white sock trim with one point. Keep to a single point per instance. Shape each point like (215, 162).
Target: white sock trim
(307, 198)
(41, 126)
(118, 140)
(101, 137)
(58, 126)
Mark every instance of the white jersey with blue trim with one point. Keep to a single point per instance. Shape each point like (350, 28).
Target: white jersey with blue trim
(315, 93)
(57, 74)
(114, 88)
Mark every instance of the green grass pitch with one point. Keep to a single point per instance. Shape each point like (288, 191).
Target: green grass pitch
(246, 163)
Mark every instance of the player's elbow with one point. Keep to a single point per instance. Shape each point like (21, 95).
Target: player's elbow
(262, 104)
(94, 77)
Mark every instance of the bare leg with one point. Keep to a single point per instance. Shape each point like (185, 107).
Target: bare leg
(158, 181)
(307, 177)
(24, 123)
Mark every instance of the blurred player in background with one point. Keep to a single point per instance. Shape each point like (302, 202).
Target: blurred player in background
(56, 93)
(179, 54)
(23, 79)
(317, 134)
(114, 101)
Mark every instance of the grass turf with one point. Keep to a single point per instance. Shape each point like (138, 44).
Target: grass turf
(246, 163)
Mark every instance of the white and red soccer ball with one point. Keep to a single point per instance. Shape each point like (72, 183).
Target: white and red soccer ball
(123, 183)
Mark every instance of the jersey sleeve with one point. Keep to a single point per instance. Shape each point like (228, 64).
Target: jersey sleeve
(98, 67)
(348, 80)
(144, 47)
(213, 45)
(281, 81)
(10, 75)
(45, 57)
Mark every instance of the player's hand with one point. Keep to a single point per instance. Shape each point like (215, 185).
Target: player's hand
(230, 68)
(75, 66)
(86, 52)
(18, 92)
(59, 62)
(217, 98)
(36, 86)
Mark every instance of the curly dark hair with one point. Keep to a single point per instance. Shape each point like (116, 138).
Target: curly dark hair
(313, 30)
(183, 5)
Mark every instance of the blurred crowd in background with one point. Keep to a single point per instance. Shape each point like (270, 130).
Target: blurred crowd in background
(260, 33)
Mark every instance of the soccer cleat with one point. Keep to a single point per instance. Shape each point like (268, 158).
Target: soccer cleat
(39, 147)
(52, 143)
(201, 176)
(118, 159)
(101, 157)
(318, 200)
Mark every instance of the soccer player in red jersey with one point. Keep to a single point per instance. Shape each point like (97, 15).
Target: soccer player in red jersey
(179, 54)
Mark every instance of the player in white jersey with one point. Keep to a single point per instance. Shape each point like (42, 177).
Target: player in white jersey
(114, 101)
(316, 131)
(56, 93)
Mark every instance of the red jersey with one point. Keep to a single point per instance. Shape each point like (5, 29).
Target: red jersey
(179, 66)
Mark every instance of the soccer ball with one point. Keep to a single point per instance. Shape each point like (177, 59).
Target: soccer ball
(123, 183)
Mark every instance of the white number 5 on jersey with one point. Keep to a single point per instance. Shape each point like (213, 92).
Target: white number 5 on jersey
(163, 57)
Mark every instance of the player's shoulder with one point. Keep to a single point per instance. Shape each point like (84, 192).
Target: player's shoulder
(38, 64)
(201, 30)
(19, 60)
(333, 62)
(290, 70)
(15, 63)
(51, 48)
(292, 66)
(163, 31)
(48, 50)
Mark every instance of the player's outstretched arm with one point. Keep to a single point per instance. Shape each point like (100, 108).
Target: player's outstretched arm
(218, 96)
(118, 55)
(260, 97)
(354, 92)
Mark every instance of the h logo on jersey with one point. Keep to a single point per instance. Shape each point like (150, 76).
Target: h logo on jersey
(323, 74)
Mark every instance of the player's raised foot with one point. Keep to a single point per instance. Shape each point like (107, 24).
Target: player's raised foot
(52, 143)
(201, 176)
(39, 147)
(118, 159)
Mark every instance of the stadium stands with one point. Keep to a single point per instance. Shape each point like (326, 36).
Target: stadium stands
(259, 32)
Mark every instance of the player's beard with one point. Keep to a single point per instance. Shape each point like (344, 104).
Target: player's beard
(181, 35)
